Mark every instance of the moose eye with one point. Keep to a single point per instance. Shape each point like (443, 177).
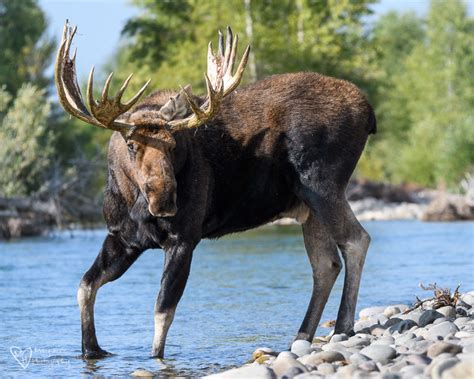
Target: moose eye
(131, 147)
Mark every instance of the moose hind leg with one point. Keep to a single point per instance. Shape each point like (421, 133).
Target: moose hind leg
(111, 263)
(353, 241)
(326, 265)
(333, 211)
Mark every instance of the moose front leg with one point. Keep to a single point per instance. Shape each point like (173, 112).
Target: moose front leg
(175, 275)
(111, 263)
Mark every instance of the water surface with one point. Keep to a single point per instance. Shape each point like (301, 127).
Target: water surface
(245, 291)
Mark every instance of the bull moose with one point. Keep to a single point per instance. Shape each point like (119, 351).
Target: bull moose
(182, 168)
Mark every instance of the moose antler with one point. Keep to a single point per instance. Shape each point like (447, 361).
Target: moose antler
(219, 81)
(104, 112)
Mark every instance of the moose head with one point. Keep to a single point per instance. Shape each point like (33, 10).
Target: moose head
(149, 135)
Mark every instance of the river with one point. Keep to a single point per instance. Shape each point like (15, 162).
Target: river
(245, 291)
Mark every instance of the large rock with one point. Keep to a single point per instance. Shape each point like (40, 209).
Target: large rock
(448, 207)
(379, 353)
(441, 330)
(250, 371)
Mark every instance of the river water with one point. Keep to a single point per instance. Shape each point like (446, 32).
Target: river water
(245, 291)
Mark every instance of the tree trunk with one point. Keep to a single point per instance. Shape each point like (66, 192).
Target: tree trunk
(249, 32)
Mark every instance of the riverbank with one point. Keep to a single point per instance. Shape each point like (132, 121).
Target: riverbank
(431, 339)
(28, 217)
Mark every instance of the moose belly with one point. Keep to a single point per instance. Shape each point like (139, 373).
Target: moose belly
(251, 211)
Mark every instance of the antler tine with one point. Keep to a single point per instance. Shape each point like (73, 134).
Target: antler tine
(234, 80)
(105, 91)
(69, 93)
(137, 96)
(102, 113)
(219, 81)
(221, 44)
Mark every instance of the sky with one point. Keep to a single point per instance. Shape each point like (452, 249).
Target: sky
(100, 23)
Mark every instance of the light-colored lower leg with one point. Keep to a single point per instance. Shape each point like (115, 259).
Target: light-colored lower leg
(353, 252)
(163, 322)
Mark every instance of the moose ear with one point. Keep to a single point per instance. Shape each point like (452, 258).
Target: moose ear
(176, 106)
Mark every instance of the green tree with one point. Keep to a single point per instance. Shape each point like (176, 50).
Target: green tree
(25, 48)
(168, 41)
(425, 101)
(26, 150)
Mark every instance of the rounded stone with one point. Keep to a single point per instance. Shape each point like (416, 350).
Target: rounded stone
(440, 320)
(378, 319)
(460, 321)
(284, 362)
(393, 310)
(461, 370)
(403, 326)
(468, 348)
(403, 338)
(392, 321)
(358, 358)
(248, 371)
(413, 315)
(292, 372)
(468, 299)
(368, 366)
(326, 369)
(386, 340)
(263, 351)
(379, 353)
(141, 373)
(441, 330)
(377, 330)
(447, 311)
(329, 356)
(411, 371)
(417, 359)
(443, 347)
(427, 317)
(366, 312)
(362, 325)
(301, 347)
(437, 368)
(356, 341)
(339, 337)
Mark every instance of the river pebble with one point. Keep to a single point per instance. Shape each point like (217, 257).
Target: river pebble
(301, 347)
(428, 316)
(447, 311)
(441, 330)
(424, 343)
(443, 347)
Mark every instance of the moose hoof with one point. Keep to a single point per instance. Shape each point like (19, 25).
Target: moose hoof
(96, 354)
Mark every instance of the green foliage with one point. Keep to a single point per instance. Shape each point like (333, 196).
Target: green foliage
(168, 42)
(425, 103)
(25, 50)
(26, 150)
